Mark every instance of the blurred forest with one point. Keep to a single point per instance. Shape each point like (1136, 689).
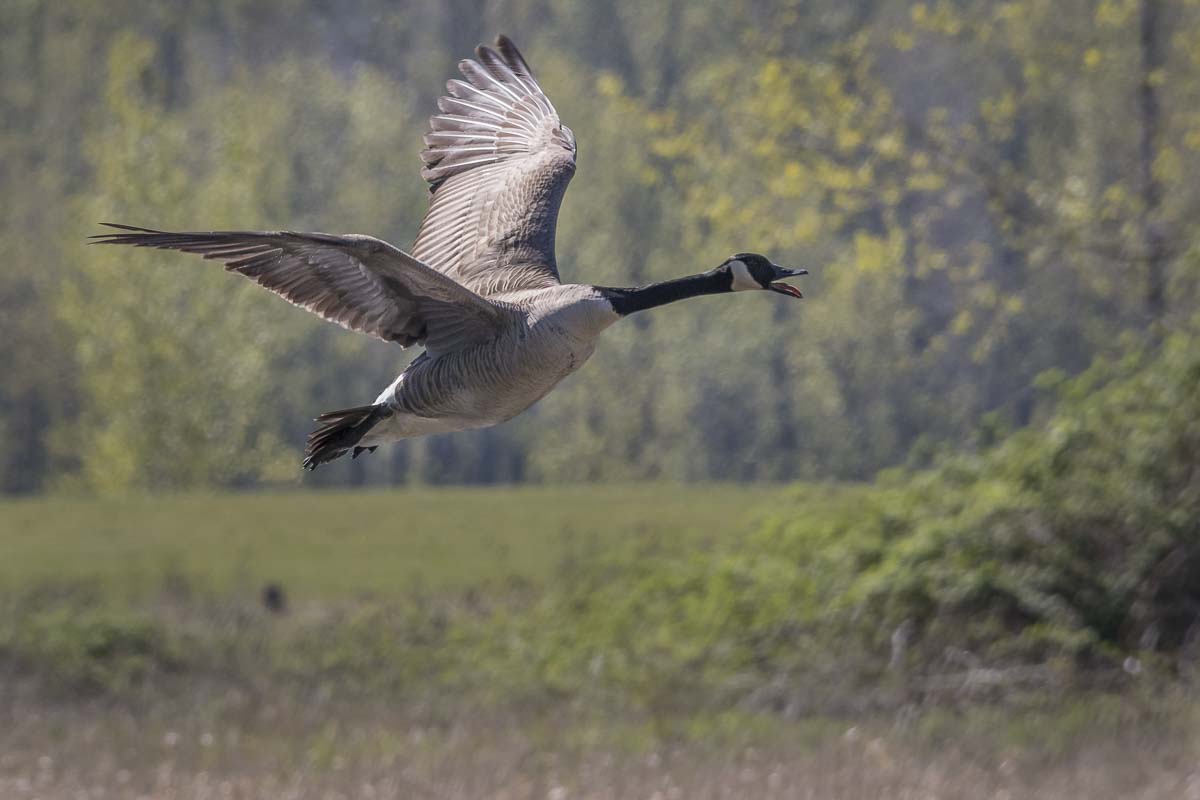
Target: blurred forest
(988, 194)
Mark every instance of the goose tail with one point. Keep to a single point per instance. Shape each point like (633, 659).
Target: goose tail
(339, 433)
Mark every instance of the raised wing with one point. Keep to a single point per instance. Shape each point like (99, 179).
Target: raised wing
(498, 162)
(359, 282)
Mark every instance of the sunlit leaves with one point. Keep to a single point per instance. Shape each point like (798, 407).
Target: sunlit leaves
(962, 179)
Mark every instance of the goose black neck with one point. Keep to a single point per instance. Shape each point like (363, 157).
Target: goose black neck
(627, 301)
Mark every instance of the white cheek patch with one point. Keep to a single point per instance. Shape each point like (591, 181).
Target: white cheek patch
(742, 280)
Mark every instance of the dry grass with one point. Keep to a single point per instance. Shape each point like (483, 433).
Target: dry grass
(220, 742)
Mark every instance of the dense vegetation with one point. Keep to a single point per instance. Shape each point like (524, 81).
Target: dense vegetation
(987, 409)
(983, 191)
(1064, 555)
(1070, 547)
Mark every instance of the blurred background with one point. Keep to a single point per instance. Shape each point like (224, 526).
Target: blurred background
(934, 530)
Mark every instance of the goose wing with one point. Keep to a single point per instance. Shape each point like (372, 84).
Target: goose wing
(359, 282)
(498, 161)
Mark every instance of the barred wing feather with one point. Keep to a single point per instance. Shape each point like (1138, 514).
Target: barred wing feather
(359, 282)
(498, 161)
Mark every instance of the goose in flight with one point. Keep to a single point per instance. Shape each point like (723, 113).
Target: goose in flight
(480, 290)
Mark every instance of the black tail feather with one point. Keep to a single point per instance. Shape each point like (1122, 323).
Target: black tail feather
(339, 432)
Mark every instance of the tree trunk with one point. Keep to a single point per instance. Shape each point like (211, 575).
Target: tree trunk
(1149, 111)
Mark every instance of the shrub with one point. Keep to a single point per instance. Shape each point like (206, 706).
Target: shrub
(1079, 538)
(1072, 544)
(90, 648)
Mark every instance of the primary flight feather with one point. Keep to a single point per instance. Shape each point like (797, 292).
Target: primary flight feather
(480, 290)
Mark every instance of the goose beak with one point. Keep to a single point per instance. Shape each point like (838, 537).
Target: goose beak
(783, 288)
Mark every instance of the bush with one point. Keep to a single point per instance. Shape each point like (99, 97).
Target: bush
(90, 649)
(1078, 539)
(1071, 545)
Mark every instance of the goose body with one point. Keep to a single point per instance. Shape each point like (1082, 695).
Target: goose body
(553, 332)
(480, 290)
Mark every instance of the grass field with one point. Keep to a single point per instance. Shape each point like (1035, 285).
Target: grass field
(342, 545)
(166, 678)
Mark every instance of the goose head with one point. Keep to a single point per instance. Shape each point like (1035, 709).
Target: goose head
(749, 271)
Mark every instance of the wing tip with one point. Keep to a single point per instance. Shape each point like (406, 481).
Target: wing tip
(499, 104)
(509, 52)
(504, 56)
(118, 238)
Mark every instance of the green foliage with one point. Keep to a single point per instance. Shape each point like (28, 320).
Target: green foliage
(92, 649)
(370, 648)
(1071, 545)
(1081, 536)
(965, 182)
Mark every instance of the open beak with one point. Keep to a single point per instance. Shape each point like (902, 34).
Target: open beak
(784, 288)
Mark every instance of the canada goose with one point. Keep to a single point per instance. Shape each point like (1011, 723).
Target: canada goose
(480, 290)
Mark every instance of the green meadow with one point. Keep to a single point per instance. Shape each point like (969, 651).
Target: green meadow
(331, 545)
(603, 641)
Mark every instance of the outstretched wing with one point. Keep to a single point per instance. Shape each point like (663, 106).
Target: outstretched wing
(359, 282)
(498, 162)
